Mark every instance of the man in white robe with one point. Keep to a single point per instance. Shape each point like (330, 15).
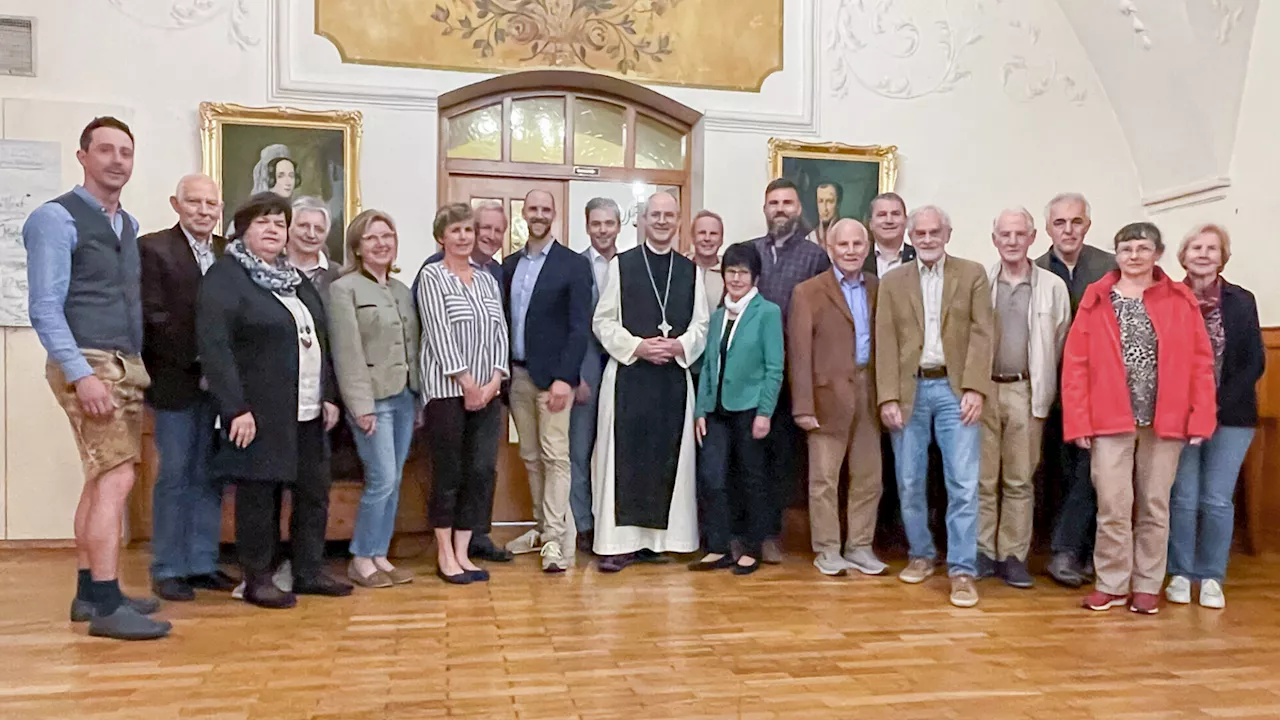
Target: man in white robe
(652, 321)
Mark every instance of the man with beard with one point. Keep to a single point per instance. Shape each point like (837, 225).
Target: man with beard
(652, 320)
(828, 195)
(786, 261)
(548, 300)
(887, 220)
(1078, 265)
(490, 228)
(604, 221)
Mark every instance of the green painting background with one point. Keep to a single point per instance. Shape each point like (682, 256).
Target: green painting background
(859, 180)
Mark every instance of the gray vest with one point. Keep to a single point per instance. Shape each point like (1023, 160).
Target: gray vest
(103, 306)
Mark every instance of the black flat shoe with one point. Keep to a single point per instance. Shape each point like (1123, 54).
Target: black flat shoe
(701, 566)
(173, 589)
(645, 555)
(478, 575)
(746, 569)
(217, 581)
(462, 578)
(490, 553)
(267, 595)
(615, 563)
(321, 585)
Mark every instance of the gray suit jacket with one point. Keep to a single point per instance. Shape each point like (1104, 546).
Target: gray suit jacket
(592, 367)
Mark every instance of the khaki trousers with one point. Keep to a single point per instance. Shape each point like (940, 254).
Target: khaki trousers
(1133, 474)
(828, 448)
(1010, 454)
(544, 448)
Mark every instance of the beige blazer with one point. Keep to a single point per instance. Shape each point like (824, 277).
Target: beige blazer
(374, 335)
(967, 325)
(1049, 319)
(822, 353)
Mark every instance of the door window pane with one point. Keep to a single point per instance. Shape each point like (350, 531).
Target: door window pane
(599, 133)
(519, 233)
(658, 146)
(537, 130)
(476, 135)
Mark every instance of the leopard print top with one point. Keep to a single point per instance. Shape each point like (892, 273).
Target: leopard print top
(1138, 342)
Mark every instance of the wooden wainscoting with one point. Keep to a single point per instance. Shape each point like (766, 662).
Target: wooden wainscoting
(1259, 494)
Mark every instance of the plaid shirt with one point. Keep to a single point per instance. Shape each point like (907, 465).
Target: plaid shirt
(785, 267)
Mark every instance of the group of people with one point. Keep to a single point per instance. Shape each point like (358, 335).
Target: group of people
(663, 403)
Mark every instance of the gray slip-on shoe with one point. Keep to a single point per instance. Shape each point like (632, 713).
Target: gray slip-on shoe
(127, 624)
(84, 611)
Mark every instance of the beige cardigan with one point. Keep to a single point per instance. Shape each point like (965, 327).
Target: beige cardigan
(374, 336)
(1049, 317)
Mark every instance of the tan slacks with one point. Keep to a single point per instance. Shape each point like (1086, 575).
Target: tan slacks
(544, 448)
(1133, 474)
(1010, 454)
(828, 448)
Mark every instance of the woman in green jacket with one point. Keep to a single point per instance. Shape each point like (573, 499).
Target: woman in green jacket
(737, 392)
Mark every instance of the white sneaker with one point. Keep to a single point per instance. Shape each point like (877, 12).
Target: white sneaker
(525, 544)
(238, 593)
(1179, 590)
(552, 560)
(1211, 595)
(864, 560)
(829, 562)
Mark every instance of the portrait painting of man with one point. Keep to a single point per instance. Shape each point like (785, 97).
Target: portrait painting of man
(835, 181)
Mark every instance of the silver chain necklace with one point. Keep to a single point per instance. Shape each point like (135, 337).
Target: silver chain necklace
(664, 327)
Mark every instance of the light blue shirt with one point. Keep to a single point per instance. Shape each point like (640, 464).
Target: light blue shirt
(50, 237)
(855, 295)
(526, 276)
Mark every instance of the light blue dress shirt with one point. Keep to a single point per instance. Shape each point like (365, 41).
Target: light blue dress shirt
(50, 237)
(526, 276)
(855, 295)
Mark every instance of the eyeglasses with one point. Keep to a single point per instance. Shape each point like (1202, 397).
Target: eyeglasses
(1136, 250)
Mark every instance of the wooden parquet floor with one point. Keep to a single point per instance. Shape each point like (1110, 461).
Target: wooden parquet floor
(652, 642)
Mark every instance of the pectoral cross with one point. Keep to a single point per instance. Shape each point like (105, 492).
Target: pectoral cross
(665, 328)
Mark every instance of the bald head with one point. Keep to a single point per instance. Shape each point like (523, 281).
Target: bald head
(661, 220)
(539, 215)
(848, 243)
(198, 204)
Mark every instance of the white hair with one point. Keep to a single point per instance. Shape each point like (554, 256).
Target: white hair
(914, 217)
(180, 191)
(1068, 197)
(487, 205)
(1031, 221)
(312, 204)
(848, 223)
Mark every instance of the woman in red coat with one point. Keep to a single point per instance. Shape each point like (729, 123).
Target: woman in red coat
(1137, 384)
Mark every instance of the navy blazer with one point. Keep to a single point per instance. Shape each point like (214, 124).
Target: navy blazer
(1243, 359)
(558, 322)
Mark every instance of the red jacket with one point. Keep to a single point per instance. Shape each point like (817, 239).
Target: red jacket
(1095, 393)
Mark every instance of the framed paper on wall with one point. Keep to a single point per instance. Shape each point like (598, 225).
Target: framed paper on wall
(835, 180)
(293, 153)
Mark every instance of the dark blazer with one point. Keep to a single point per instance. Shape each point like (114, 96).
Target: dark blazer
(907, 253)
(249, 346)
(558, 321)
(170, 286)
(1243, 358)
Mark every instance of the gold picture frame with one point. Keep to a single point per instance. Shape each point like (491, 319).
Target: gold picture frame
(317, 153)
(859, 173)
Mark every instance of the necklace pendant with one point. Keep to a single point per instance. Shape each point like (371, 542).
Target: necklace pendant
(665, 328)
(306, 341)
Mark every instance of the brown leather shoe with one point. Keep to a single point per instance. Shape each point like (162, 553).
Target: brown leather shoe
(400, 576)
(375, 579)
(916, 571)
(964, 594)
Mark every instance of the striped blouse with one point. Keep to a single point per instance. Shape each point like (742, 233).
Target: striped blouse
(463, 328)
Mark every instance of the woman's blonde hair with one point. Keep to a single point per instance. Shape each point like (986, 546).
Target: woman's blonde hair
(355, 233)
(450, 214)
(1224, 240)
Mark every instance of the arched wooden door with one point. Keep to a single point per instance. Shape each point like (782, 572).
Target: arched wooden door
(576, 135)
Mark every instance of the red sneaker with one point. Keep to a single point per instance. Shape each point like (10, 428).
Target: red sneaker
(1145, 603)
(1099, 601)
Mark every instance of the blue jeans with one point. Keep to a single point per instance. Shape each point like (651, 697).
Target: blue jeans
(186, 504)
(938, 409)
(383, 454)
(1202, 509)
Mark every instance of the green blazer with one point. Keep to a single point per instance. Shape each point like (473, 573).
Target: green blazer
(753, 368)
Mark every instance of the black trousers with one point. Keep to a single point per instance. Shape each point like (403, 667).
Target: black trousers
(258, 512)
(1074, 527)
(464, 457)
(784, 446)
(485, 523)
(733, 482)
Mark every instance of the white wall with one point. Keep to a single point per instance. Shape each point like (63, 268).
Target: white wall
(1011, 115)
